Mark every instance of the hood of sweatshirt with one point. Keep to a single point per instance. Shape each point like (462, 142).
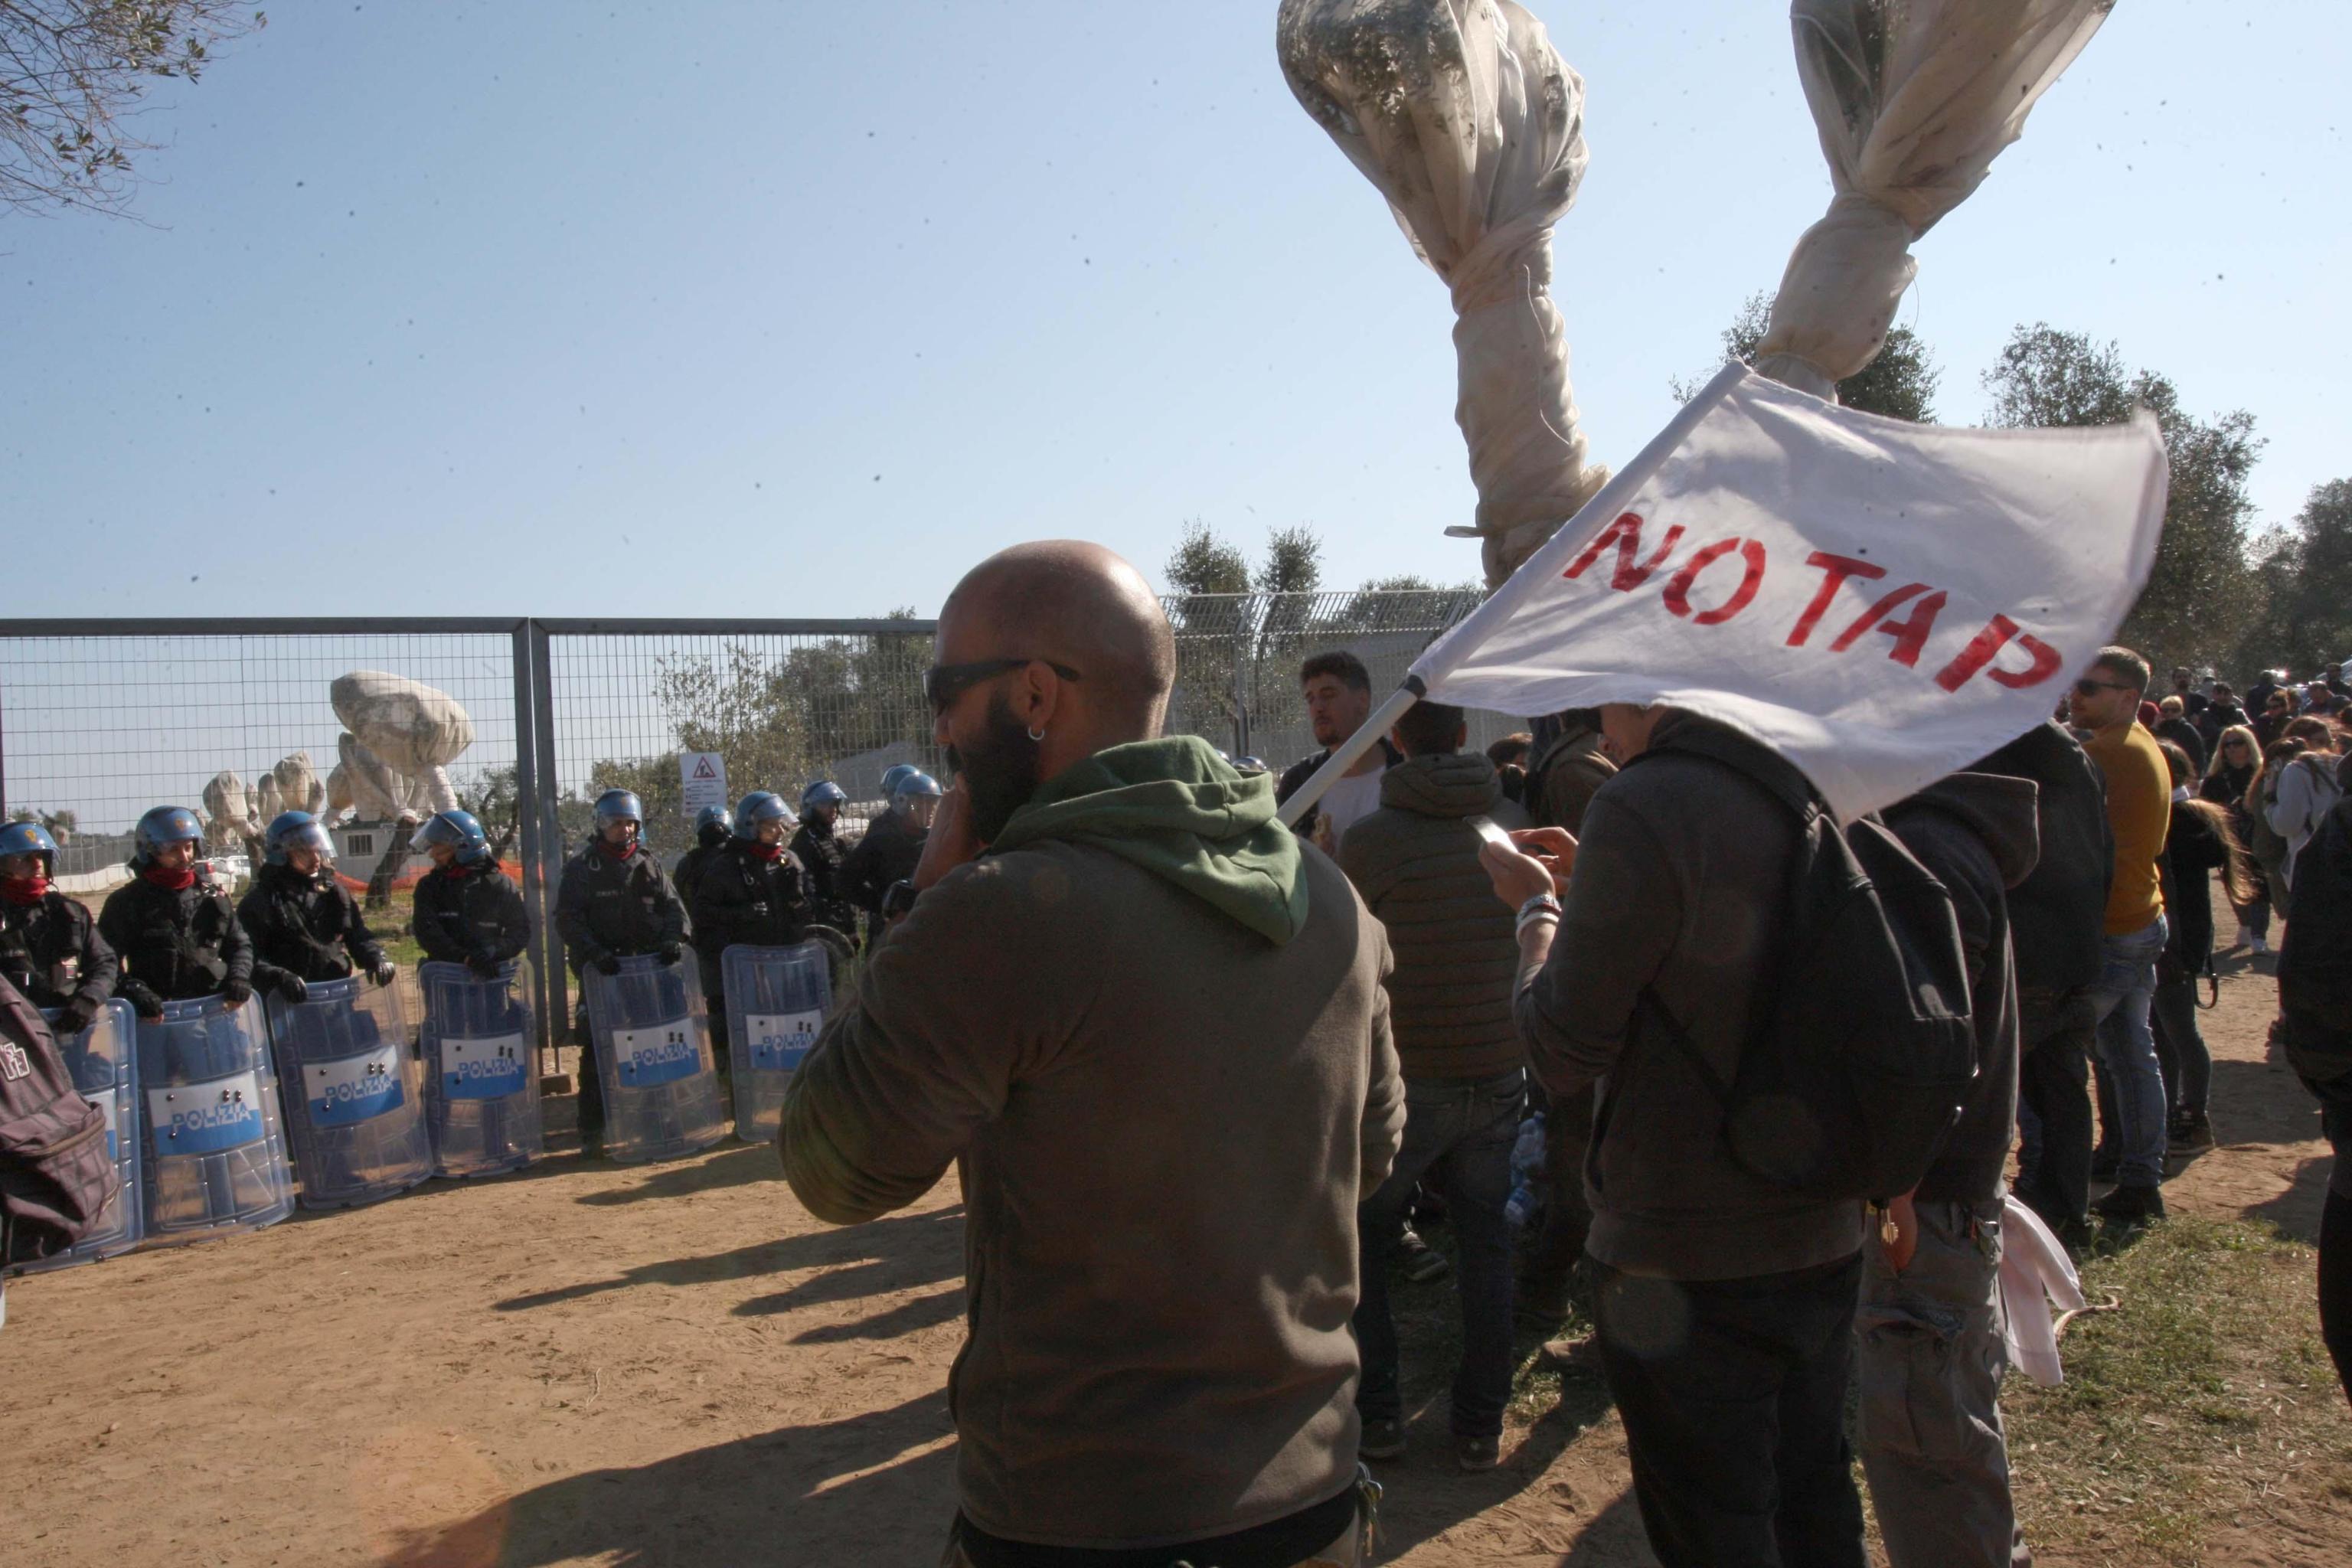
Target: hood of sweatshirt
(1459, 784)
(1180, 812)
(2000, 810)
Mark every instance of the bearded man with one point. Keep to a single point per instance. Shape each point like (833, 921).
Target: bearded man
(1148, 1025)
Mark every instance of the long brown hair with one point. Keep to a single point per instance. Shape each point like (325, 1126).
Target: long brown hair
(2237, 880)
(2275, 755)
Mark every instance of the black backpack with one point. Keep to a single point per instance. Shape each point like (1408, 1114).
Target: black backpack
(56, 1178)
(1862, 1050)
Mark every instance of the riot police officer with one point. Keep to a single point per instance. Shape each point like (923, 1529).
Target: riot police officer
(819, 849)
(301, 919)
(467, 909)
(173, 927)
(888, 852)
(711, 827)
(49, 945)
(614, 903)
(754, 893)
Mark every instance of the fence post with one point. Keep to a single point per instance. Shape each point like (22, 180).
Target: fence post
(1241, 688)
(542, 834)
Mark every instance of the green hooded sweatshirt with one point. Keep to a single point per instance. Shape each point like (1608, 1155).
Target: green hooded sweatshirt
(1176, 808)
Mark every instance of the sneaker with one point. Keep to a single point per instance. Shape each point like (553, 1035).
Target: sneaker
(2261, 947)
(1383, 1438)
(1477, 1453)
(1419, 1261)
(2130, 1205)
(2191, 1134)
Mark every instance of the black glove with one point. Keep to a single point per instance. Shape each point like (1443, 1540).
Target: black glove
(235, 993)
(669, 953)
(383, 972)
(289, 986)
(608, 963)
(483, 965)
(75, 1016)
(142, 998)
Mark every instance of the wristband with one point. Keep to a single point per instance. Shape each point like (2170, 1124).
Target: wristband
(1543, 906)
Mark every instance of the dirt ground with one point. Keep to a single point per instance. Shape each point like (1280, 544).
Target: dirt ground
(675, 1366)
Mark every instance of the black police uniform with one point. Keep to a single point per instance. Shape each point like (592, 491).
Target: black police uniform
(472, 915)
(308, 926)
(609, 908)
(50, 950)
(708, 841)
(745, 899)
(177, 943)
(823, 856)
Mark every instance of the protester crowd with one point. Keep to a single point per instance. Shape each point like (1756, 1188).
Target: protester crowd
(1213, 1082)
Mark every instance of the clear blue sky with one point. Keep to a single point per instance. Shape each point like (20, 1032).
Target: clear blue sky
(443, 308)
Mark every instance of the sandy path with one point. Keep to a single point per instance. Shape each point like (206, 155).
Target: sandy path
(676, 1365)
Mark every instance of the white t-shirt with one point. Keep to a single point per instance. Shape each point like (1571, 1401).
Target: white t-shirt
(1349, 801)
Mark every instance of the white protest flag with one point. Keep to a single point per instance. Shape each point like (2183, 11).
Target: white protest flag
(1879, 602)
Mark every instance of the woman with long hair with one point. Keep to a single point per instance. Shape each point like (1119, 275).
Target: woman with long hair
(2237, 759)
(2306, 789)
(2198, 841)
(2267, 846)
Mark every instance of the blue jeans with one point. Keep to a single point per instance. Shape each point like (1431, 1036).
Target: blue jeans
(2127, 1050)
(1458, 1136)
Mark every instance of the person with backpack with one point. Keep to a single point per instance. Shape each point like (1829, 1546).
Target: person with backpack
(2199, 842)
(1724, 1299)
(57, 1174)
(2106, 700)
(49, 945)
(2306, 791)
(1932, 1352)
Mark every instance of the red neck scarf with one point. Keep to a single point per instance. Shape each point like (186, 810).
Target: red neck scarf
(456, 870)
(30, 889)
(169, 881)
(616, 852)
(771, 853)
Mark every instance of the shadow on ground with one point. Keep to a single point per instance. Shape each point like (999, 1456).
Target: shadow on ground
(739, 1164)
(877, 1488)
(904, 1250)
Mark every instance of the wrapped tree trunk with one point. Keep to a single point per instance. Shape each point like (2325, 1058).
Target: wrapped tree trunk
(1463, 115)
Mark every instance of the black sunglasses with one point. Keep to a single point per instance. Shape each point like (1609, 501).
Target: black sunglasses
(2086, 686)
(944, 683)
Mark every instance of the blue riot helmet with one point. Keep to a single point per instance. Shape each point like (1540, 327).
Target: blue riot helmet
(166, 825)
(30, 838)
(460, 828)
(824, 792)
(618, 805)
(897, 776)
(712, 816)
(1251, 765)
(760, 806)
(916, 785)
(288, 829)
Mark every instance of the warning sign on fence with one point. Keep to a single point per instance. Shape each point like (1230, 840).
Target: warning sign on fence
(703, 776)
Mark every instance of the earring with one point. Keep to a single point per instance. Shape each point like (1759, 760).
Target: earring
(1037, 734)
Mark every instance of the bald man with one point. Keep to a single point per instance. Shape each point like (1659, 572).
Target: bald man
(1148, 1025)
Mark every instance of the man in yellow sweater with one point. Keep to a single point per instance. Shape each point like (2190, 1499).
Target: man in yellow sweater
(2106, 702)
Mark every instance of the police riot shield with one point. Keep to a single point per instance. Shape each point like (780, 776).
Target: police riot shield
(481, 1097)
(105, 1069)
(653, 1055)
(354, 1107)
(777, 998)
(214, 1159)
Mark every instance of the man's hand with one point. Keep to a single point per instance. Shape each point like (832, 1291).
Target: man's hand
(383, 972)
(75, 1016)
(669, 953)
(952, 842)
(1537, 863)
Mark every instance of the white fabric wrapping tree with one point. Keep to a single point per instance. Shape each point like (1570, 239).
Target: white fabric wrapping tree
(1914, 99)
(378, 793)
(1463, 116)
(414, 730)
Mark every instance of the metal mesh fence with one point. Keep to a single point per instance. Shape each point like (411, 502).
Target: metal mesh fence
(101, 720)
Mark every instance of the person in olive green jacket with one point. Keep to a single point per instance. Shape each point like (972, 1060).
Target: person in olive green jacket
(1415, 861)
(1147, 1023)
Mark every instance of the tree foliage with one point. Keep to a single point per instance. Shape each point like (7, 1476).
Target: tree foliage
(1201, 562)
(2203, 592)
(2305, 580)
(72, 72)
(1900, 382)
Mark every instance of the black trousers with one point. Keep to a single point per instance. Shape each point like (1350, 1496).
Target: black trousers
(592, 1087)
(2053, 1086)
(1733, 1394)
